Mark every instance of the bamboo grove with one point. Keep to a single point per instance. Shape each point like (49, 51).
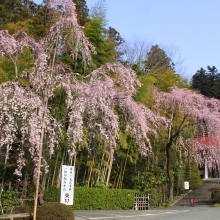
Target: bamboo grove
(68, 95)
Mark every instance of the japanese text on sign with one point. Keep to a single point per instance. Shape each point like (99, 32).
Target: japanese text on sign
(67, 185)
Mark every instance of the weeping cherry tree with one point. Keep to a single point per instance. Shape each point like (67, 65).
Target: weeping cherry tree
(184, 108)
(25, 116)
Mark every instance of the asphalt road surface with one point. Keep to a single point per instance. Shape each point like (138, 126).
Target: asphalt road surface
(173, 213)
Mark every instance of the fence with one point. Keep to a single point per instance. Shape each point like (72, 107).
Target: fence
(14, 216)
(141, 202)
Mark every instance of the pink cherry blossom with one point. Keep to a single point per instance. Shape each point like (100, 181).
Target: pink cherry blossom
(202, 112)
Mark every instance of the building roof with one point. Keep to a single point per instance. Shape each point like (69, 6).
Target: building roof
(209, 141)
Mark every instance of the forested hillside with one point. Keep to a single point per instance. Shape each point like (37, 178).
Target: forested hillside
(74, 92)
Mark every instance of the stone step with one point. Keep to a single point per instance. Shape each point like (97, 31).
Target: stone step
(201, 196)
(187, 202)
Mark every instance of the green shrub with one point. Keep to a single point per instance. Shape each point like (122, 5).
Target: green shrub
(216, 195)
(54, 211)
(147, 181)
(9, 199)
(52, 194)
(193, 176)
(96, 198)
(22, 209)
(103, 199)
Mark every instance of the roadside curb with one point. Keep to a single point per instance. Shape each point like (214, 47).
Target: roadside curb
(81, 218)
(181, 197)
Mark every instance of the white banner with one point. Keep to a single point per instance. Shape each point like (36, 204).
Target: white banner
(67, 185)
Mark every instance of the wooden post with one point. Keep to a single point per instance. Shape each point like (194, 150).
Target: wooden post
(39, 163)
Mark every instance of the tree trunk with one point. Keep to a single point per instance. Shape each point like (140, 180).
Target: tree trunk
(44, 180)
(90, 172)
(169, 172)
(102, 168)
(123, 171)
(16, 72)
(109, 167)
(54, 172)
(15, 66)
(39, 165)
(58, 179)
(106, 169)
(119, 176)
(77, 173)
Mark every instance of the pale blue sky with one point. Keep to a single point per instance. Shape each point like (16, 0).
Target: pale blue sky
(190, 26)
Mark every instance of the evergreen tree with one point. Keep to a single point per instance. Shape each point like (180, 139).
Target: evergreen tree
(105, 47)
(26, 15)
(99, 11)
(159, 65)
(157, 60)
(118, 41)
(82, 12)
(12, 11)
(207, 82)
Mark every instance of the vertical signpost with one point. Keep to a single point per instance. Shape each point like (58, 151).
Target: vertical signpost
(67, 185)
(186, 185)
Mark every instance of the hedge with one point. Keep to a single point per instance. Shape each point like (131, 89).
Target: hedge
(54, 211)
(216, 195)
(96, 198)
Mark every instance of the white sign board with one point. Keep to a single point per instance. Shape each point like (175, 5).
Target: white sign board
(186, 185)
(67, 185)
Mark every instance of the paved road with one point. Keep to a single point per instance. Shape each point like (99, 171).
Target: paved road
(181, 211)
(173, 213)
(202, 195)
